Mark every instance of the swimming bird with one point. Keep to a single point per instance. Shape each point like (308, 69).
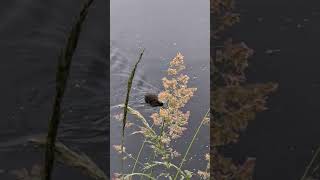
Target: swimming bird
(153, 100)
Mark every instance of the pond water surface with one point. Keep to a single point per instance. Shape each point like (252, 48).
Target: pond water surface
(32, 34)
(285, 137)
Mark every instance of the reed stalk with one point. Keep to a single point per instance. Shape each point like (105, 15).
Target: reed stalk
(125, 109)
(62, 75)
(306, 172)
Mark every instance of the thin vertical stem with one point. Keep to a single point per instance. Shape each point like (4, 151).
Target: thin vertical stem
(62, 75)
(125, 110)
(191, 143)
(139, 153)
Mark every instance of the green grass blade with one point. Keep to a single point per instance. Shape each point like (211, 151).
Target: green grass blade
(125, 110)
(191, 143)
(61, 81)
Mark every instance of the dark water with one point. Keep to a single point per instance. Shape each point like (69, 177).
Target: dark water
(283, 139)
(163, 28)
(31, 36)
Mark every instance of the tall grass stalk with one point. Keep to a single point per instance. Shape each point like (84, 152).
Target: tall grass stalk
(191, 143)
(62, 75)
(149, 158)
(139, 153)
(154, 155)
(138, 156)
(125, 109)
(146, 125)
(138, 162)
(306, 172)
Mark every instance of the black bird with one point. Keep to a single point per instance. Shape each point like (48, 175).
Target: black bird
(152, 99)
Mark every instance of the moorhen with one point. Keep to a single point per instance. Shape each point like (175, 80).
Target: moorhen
(152, 99)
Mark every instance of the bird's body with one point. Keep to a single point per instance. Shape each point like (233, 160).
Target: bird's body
(152, 99)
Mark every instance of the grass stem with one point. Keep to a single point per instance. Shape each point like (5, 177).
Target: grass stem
(306, 172)
(139, 153)
(62, 75)
(137, 159)
(191, 143)
(125, 110)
